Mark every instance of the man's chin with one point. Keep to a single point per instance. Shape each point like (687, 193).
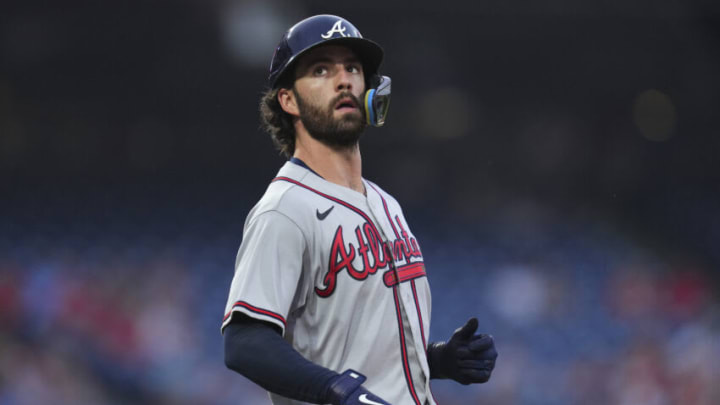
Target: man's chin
(346, 134)
(348, 115)
(349, 122)
(350, 126)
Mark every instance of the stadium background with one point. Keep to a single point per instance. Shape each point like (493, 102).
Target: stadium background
(557, 161)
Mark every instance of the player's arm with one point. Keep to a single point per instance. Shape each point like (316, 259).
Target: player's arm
(256, 350)
(466, 358)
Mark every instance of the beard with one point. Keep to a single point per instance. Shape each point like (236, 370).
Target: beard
(343, 132)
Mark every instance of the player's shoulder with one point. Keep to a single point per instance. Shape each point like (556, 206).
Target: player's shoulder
(284, 194)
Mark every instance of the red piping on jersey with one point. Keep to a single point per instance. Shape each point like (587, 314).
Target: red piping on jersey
(387, 212)
(255, 310)
(329, 197)
(411, 273)
(404, 273)
(406, 364)
(417, 305)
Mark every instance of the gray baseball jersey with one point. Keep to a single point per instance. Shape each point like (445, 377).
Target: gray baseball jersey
(342, 275)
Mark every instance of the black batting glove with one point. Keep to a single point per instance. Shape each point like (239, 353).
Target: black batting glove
(466, 358)
(347, 389)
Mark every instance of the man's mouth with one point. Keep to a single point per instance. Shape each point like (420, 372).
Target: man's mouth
(346, 104)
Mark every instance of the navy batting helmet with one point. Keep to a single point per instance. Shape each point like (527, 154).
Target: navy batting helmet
(319, 30)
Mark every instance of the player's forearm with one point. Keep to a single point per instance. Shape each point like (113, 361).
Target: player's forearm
(257, 351)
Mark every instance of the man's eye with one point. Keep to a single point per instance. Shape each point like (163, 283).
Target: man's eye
(320, 70)
(353, 69)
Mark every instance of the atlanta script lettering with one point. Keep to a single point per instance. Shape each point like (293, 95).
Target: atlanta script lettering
(375, 253)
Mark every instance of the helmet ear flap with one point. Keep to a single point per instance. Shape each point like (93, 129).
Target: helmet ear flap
(377, 100)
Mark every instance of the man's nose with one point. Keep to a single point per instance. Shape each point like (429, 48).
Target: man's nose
(344, 81)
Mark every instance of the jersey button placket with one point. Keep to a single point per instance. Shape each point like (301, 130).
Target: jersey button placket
(385, 243)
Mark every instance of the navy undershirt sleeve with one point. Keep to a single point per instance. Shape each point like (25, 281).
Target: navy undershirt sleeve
(256, 350)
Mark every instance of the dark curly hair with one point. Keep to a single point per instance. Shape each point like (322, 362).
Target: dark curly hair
(276, 122)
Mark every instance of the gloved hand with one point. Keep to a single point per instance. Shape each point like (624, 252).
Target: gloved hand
(347, 389)
(465, 358)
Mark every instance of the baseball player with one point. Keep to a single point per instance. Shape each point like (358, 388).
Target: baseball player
(330, 302)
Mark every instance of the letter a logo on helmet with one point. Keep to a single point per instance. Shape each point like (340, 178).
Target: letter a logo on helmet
(312, 32)
(335, 28)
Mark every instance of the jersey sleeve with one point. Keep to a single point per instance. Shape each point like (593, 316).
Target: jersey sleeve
(268, 270)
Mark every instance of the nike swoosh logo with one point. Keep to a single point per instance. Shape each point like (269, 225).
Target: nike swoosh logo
(364, 399)
(323, 215)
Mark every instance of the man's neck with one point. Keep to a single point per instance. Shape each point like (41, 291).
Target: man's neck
(339, 166)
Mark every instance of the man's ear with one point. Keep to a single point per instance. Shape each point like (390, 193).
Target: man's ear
(288, 101)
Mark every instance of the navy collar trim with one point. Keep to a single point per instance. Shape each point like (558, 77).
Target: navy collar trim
(303, 164)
